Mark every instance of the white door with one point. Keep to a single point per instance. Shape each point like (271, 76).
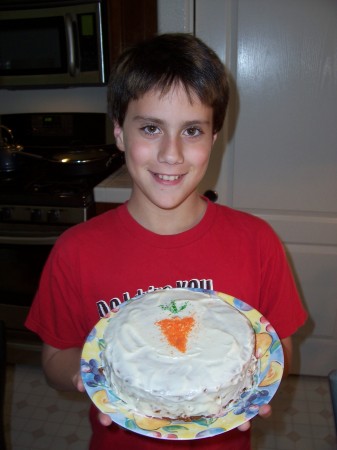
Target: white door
(280, 160)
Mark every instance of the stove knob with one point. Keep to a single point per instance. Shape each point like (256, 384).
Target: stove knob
(36, 215)
(5, 213)
(53, 215)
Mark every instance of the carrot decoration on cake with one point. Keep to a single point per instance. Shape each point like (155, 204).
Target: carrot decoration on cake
(175, 329)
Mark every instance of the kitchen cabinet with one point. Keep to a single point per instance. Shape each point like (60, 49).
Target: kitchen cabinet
(277, 156)
(130, 21)
(113, 190)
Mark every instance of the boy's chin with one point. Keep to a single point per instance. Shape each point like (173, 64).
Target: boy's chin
(175, 203)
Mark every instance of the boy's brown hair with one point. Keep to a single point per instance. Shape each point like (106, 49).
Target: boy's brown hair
(166, 61)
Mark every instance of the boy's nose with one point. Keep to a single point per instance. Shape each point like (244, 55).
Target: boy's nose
(171, 151)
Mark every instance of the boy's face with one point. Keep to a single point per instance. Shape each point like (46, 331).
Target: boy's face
(167, 142)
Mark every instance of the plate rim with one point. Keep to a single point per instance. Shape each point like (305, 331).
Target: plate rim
(122, 416)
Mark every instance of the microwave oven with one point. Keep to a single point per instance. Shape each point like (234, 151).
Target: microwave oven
(53, 44)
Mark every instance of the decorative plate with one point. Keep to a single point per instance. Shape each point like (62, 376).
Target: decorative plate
(266, 382)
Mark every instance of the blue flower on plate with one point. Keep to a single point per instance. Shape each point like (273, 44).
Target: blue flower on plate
(92, 373)
(92, 335)
(242, 306)
(250, 402)
(209, 432)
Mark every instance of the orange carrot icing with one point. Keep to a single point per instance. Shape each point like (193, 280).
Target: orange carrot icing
(176, 331)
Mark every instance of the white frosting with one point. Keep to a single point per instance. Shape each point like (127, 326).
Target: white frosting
(155, 378)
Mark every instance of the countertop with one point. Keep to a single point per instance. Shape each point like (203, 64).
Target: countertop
(116, 188)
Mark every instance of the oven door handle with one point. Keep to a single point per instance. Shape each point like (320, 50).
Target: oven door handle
(28, 240)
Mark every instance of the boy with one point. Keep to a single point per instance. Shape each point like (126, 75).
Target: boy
(167, 100)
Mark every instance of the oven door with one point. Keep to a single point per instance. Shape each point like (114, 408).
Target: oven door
(21, 263)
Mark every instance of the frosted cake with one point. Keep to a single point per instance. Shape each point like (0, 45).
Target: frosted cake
(179, 354)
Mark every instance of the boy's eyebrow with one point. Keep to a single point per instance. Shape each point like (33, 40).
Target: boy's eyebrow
(147, 119)
(160, 121)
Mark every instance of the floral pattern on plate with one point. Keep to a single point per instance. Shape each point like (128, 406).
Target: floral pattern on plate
(268, 350)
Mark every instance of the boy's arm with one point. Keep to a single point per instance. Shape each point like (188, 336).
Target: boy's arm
(62, 368)
(288, 353)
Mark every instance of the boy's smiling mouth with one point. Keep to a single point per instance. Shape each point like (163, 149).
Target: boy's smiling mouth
(168, 177)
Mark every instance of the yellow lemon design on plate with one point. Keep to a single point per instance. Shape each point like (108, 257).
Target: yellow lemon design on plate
(150, 423)
(262, 344)
(274, 374)
(100, 398)
(264, 361)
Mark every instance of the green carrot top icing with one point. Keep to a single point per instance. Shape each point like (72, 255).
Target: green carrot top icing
(173, 308)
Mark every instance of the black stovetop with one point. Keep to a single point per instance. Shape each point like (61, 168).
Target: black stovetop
(37, 182)
(33, 185)
(22, 188)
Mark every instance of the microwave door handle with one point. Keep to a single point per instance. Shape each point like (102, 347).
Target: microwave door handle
(71, 45)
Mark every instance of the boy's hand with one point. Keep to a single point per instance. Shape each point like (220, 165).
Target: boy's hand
(78, 383)
(104, 419)
(264, 411)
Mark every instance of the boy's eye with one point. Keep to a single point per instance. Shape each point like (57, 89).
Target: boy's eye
(150, 129)
(193, 131)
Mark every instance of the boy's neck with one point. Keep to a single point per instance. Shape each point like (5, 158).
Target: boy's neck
(168, 221)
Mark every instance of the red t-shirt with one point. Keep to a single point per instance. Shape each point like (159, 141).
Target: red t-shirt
(100, 263)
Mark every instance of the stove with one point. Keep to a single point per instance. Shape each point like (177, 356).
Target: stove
(45, 200)
(50, 190)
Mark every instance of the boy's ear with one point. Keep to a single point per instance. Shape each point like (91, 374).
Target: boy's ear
(215, 135)
(118, 133)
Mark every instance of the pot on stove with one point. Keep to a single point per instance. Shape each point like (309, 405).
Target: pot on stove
(82, 160)
(77, 161)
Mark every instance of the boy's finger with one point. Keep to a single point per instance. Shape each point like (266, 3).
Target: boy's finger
(245, 426)
(265, 411)
(104, 419)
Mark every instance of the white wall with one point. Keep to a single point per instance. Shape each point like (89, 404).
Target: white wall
(53, 100)
(175, 16)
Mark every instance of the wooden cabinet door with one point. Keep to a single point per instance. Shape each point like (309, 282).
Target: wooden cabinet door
(130, 21)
